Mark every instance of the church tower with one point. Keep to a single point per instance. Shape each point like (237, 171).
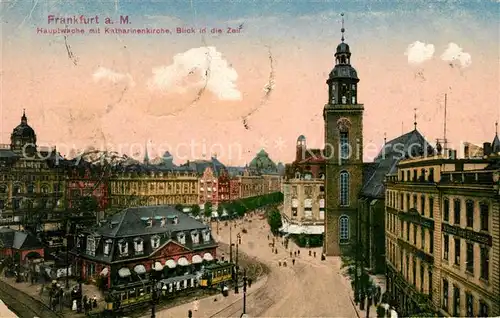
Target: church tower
(343, 117)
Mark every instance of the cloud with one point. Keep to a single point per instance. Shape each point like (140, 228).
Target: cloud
(419, 52)
(106, 74)
(455, 54)
(198, 68)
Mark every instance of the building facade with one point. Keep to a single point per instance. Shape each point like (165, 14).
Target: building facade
(442, 236)
(31, 180)
(128, 245)
(343, 117)
(137, 185)
(304, 192)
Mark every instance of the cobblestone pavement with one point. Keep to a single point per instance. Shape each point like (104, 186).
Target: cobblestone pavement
(310, 288)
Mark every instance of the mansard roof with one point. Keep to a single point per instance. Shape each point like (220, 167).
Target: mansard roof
(387, 160)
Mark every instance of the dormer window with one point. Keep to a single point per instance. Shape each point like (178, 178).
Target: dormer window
(163, 222)
(91, 245)
(149, 222)
(195, 237)
(138, 245)
(181, 237)
(107, 247)
(123, 248)
(206, 236)
(155, 242)
(176, 220)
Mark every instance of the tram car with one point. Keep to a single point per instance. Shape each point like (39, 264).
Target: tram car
(216, 274)
(129, 296)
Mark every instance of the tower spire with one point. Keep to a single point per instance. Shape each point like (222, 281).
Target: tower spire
(415, 118)
(385, 138)
(24, 120)
(496, 128)
(146, 156)
(342, 29)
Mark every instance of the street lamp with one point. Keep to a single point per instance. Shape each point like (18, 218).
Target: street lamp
(236, 291)
(154, 274)
(244, 291)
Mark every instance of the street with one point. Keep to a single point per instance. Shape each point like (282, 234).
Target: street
(310, 288)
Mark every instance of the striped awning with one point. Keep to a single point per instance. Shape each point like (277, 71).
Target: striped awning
(140, 269)
(124, 272)
(208, 257)
(197, 259)
(183, 261)
(158, 266)
(170, 263)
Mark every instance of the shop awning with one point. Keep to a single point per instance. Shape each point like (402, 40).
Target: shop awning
(170, 263)
(158, 266)
(183, 261)
(208, 257)
(105, 272)
(197, 259)
(124, 272)
(140, 269)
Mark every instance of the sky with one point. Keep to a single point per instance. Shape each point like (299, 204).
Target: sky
(232, 94)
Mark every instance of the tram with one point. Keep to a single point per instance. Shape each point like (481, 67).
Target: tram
(128, 296)
(216, 274)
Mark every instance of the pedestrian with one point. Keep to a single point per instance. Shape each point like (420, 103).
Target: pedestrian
(249, 281)
(315, 254)
(268, 237)
(293, 261)
(279, 263)
(295, 254)
(298, 252)
(290, 253)
(276, 251)
(196, 304)
(309, 252)
(284, 264)
(190, 314)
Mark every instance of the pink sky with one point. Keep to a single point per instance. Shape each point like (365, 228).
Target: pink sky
(67, 107)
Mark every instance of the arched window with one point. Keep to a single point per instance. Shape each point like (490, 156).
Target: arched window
(295, 205)
(308, 208)
(344, 229)
(344, 188)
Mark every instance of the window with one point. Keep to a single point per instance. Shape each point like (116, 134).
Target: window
(431, 175)
(431, 241)
(31, 188)
(422, 271)
(457, 250)
(446, 248)
(206, 236)
(195, 237)
(429, 283)
(295, 205)
(484, 216)
(408, 226)
(469, 213)
(414, 271)
(483, 309)
(422, 205)
(445, 295)
(469, 303)
(402, 228)
(107, 247)
(123, 247)
(308, 208)
(485, 263)
(138, 246)
(431, 207)
(446, 210)
(415, 228)
(456, 301)
(181, 238)
(155, 242)
(422, 238)
(344, 188)
(344, 228)
(456, 211)
(401, 201)
(407, 266)
(470, 258)
(407, 202)
(344, 146)
(90, 245)
(414, 205)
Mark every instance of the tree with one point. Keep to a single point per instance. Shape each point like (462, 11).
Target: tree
(274, 220)
(195, 210)
(179, 207)
(207, 210)
(220, 210)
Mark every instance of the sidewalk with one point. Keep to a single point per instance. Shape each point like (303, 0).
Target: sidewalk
(208, 306)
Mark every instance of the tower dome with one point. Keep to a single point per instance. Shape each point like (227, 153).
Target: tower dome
(23, 135)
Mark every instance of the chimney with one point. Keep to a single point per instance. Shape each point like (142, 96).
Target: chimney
(466, 151)
(487, 148)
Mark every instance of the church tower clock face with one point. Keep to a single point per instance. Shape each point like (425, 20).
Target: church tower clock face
(343, 116)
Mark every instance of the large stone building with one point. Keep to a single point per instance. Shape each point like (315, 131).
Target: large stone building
(135, 185)
(31, 180)
(210, 172)
(443, 235)
(131, 242)
(304, 189)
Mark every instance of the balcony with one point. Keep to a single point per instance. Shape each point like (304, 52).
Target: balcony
(460, 177)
